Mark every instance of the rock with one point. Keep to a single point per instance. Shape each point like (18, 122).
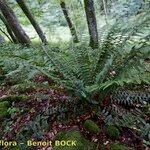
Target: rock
(80, 142)
(112, 132)
(91, 126)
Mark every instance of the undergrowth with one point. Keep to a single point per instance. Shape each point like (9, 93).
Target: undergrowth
(76, 79)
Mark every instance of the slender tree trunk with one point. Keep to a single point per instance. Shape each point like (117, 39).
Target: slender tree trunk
(13, 23)
(70, 24)
(31, 18)
(92, 23)
(80, 3)
(10, 32)
(6, 35)
(105, 10)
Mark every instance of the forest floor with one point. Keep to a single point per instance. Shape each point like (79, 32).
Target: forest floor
(30, 102)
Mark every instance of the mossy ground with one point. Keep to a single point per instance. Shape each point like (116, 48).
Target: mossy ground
(3, 113)
(4, 105)
(120, 147)
(81, 142)
(116, 146)
(91, 126)
(112, 132)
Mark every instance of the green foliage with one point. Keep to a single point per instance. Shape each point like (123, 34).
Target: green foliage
(146, 143)
(118, 62)
(3, 110)
(36, 127)
(4, 104)
(2, 77)
(119, 116)
(3, 113)
(24, 87)
(129, 98)
(120, 147)
(13, 98)
(128, 106)
(124, 9)
(91, 126)
(84, 72)
(112, 132)
(12, 110)
(81, 143)
(145, 131)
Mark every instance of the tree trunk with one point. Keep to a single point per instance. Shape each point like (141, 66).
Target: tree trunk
(70, 24)
(10, 32)
(13, 23)
(31, 18)
(92, 24)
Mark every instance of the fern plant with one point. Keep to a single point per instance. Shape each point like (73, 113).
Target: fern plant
(86, 72)
(117, 62)
(92, 75)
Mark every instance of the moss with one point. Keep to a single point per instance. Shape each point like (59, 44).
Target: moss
(3, 113)
(116, 146)
(119, 147)
(3, 109)
(112, 132)
(4, 104)
(81, 143)
(15, 148)
(91, 126)
(14, 98)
